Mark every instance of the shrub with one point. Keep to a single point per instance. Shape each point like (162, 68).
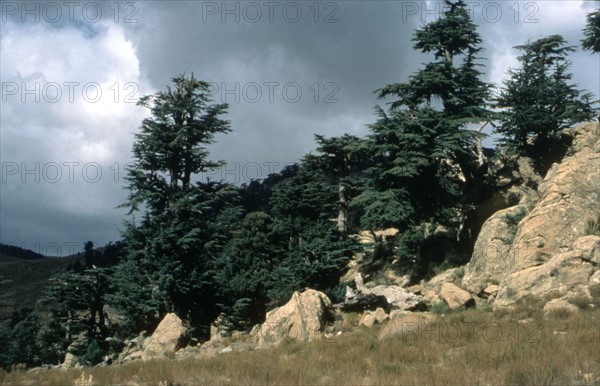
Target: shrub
(592, 226)
(440, 307)
(515, 218)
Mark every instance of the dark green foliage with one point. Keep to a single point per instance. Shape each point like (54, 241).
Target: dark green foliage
(315, 259)
(421, 150)
(106, 256)
(342, 158)
(77, 300)
(13, 250)
(31, 339)
(256, 195)
(5, 343)
(169, 254)
(413, 178)
(89, 352)
(592, 32)
(296, 245)
(459, 88)
(244, 269)
(51, 341)
(423, 155)
(306, 195)
(23, 343)
(539, 101)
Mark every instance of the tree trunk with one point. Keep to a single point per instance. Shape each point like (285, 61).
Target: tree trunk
(448, 57)
(342, 221)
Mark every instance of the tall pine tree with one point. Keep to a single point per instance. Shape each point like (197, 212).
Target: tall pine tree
(169, 253)
(424, 153)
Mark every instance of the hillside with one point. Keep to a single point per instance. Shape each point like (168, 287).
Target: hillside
(23, 279)
(513, 315)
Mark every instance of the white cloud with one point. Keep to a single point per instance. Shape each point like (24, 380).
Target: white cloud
(67, 125)
(92, 82)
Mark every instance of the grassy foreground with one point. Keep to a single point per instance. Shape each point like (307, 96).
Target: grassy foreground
(472, 347)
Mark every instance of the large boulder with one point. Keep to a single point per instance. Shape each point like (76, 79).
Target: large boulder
(431, 289)
(397, 297)
(389, 297)
(169, 336)
(559, 306)
(493, 245)
(369, 318)
(456, 297)
(302, 319)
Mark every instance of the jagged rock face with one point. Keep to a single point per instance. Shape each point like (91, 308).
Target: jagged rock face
(568, 196)
(565, 274)
(302, 319)
(548, 252)
(169, 336)
(492, 247)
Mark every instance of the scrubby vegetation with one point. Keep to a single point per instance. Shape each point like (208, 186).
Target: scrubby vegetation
(592, 226)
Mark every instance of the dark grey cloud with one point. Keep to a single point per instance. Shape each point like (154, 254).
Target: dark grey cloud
(335, 53)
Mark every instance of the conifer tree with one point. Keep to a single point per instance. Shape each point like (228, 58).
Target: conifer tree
(591, 32)
(341, 156)
(539, 100)
(423, 151)
(169, 253)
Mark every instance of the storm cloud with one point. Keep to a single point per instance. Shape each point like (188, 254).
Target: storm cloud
(71, 73)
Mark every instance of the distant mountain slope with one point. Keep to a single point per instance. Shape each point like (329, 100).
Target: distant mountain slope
(14, 251)
(23, 277)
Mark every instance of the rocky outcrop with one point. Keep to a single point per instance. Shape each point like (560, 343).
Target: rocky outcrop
(70, 361)
(133, 348)
(516, 183)
(539, 247)
(488, 262)
(362, 262)
(302, 319)
(169, 336)
(568, 273)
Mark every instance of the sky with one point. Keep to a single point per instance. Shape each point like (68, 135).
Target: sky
(71, 73)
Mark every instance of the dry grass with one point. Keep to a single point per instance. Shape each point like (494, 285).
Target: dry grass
(464, 348)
